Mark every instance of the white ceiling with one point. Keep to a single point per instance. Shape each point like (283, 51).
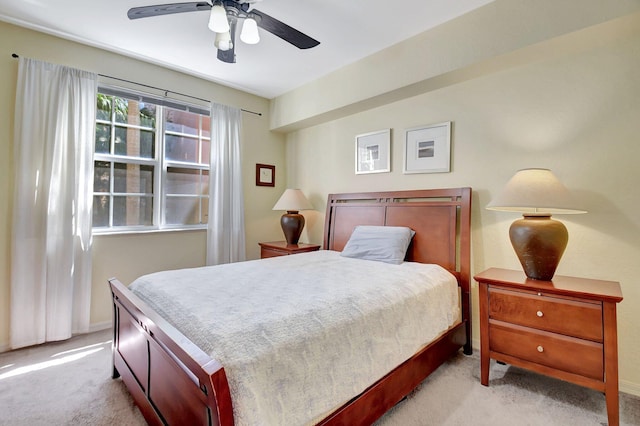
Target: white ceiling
(347, 31)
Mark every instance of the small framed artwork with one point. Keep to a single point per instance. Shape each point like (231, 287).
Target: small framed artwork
(265, 175)
(427, 149)
(372, 152)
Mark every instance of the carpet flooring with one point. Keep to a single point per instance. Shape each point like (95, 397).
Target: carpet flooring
(69, 383)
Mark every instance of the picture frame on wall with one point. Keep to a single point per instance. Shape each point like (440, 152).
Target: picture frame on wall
(265, 175)
(373, 152)
(427, 149)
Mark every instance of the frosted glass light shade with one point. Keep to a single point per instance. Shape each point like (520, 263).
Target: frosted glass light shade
(249, 32)
(223, 41)
(218, 21)
(293, 200)
(535, 191)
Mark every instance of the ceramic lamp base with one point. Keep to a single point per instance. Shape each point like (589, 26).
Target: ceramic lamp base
(292, 224)
(539, 243)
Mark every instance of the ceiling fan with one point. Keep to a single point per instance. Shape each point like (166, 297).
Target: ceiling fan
(223, 19)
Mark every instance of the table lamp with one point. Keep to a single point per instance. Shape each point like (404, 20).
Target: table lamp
(538, 240)
(292, 200)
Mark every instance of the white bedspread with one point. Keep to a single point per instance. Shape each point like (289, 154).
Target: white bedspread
(300, 335)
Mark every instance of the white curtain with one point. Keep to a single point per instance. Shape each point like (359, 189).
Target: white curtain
(225, 232)
(51, 240)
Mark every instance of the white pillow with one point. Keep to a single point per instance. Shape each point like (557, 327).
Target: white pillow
(381, 243)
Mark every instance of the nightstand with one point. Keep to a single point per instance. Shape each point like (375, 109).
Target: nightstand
(281, 248)
(564, 328)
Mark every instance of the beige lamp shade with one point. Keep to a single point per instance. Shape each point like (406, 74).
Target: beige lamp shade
(535, 191)
(538, 240)
(292, 200)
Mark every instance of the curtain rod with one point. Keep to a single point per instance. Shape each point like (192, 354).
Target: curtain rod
(15, 55)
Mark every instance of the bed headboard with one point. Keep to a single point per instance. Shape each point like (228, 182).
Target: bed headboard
(441, 219)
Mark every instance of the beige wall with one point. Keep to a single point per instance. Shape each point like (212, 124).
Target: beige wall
(571, 104)
(128, 256)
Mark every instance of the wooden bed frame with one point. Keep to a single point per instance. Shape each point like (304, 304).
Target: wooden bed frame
(174, 382)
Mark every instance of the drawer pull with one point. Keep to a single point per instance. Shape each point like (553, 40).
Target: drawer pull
(540, 314)
(540, 348)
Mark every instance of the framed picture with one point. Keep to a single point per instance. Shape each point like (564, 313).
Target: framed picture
(372, 152)
(265, 175)
(427, 149)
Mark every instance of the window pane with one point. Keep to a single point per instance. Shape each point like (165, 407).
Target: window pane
(206, 146)
(147, 115)
(132, 178)
(121, 108)
(182, 121)
(181, 149)
(104, 107)
(101, 176)
(187, 181)
(129, 111)
(132, 211)
(206, 126)
(205, 183)
(103, 138)
(134, 142)
(182, 210)
(100, 210)
(205, 210)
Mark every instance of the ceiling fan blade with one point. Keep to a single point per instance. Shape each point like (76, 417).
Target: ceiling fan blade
(284, 31)
(166, 9)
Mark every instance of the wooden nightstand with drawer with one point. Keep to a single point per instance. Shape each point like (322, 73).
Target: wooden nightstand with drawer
(281, 248)
(564, 328)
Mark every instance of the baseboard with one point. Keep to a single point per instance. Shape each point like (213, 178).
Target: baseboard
(630, 388)
(475, 344)
(99, 326)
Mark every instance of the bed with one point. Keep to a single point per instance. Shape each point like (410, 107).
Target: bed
(173, 380)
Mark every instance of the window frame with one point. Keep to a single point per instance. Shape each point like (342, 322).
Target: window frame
(161, 165)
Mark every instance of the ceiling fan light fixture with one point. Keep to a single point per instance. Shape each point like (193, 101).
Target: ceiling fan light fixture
(223, 41)
(249, 32)
(218, 21)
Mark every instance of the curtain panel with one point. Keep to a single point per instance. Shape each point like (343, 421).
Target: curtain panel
(51, 240)
(225, 231)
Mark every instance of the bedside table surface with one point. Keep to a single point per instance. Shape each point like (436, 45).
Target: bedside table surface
(282, 245)
(560, 284)
(281, 248)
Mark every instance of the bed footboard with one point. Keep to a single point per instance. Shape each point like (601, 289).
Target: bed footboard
(171, 380)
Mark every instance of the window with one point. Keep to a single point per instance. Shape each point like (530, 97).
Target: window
(151, 163)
